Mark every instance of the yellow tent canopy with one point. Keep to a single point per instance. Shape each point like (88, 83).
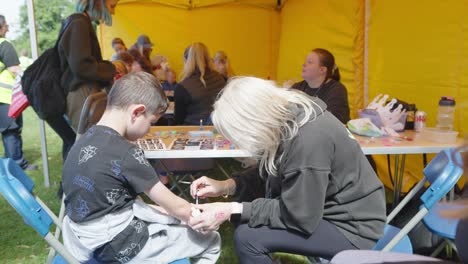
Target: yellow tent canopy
(192, 4)
(392, 47)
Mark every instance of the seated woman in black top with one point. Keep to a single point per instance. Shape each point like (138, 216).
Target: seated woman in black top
(195, 94)
(322, 79)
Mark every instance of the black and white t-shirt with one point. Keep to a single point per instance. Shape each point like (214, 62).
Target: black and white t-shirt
(103, 174)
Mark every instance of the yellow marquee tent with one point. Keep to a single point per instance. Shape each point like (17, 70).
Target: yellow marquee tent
(416, 51)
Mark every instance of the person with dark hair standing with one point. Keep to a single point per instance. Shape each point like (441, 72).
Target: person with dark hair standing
(84, 70)
(10, 127)
(322, 80)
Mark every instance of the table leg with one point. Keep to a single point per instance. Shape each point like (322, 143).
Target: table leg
(174, 181)
(222, 169)
(399, 174)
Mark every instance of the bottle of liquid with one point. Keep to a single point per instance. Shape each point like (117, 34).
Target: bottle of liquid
(410, 111)
(445, 113)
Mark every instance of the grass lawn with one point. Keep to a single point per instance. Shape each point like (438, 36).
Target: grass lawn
(21, 244)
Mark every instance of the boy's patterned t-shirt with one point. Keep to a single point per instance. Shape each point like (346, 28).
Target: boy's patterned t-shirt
(104, 173)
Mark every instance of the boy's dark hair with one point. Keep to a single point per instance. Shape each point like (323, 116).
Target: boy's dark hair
(138, 88)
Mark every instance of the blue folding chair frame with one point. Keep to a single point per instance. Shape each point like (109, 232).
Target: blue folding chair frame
(442, 173)
(20, 197)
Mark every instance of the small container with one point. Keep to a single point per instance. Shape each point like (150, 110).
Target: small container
(445, 113)
(419, 121)
(439, 135)
(410, 112)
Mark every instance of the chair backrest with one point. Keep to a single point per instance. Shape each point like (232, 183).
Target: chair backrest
(34, 215)
(15, 171)
(92, 110)
(443, 172)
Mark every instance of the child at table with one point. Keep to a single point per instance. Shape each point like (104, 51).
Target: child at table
(103, 176)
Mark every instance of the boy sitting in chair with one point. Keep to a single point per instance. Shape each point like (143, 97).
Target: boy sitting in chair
(103, 176)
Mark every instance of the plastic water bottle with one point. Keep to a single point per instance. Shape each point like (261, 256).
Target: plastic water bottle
(445, 113)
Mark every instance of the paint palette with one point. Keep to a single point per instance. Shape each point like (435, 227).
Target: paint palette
(151, 144)
(192, 144)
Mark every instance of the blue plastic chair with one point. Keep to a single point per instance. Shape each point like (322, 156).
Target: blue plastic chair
(403, 246)
(20, 197)
(442, 173)
(19, 174)
(443, 227)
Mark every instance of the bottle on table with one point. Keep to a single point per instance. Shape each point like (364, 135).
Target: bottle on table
(410, 112)
(445, 113)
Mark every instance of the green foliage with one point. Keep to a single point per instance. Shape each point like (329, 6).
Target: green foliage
(49, 16)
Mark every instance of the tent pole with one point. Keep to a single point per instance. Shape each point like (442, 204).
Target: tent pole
(366, 51)
(33, 39)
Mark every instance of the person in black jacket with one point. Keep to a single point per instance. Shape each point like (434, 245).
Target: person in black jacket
(320, 194)
(84, 70)
(195, 94)
(322, 79)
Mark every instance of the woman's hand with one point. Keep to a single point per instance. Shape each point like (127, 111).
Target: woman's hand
(211, 217)
(207, 187)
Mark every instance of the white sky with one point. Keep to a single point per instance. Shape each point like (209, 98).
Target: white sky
(10, 9)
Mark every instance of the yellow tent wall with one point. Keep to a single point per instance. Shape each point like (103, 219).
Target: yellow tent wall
(335, 25)
(418, 52)
(249, 35)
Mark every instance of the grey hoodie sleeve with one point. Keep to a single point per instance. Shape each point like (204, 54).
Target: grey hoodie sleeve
(300, 206)
(304, 173)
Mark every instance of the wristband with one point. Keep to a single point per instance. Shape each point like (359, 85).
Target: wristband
(236, 213)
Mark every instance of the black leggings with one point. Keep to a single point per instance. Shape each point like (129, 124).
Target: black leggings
(253, 245)
(65, 132)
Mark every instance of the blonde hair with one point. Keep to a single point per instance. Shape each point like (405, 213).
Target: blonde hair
(120, 67)
(258, 116)
(198, 58)
(223, 58)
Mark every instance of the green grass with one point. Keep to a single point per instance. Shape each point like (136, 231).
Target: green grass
(21, 244)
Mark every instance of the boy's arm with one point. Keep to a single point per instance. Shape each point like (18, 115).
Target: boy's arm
(172, 203)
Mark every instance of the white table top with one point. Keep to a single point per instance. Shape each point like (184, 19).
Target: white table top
(410, 143)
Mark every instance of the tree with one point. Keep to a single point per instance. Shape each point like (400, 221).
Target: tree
(49, 17)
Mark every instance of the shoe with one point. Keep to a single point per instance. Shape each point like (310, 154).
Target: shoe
(31, 167)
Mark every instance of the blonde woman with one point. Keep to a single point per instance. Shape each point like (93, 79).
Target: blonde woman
(321, 197)
(120, 69)
(200, 83)
(222, 64)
